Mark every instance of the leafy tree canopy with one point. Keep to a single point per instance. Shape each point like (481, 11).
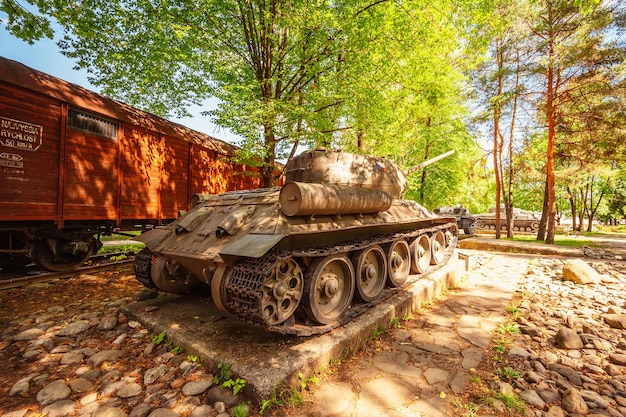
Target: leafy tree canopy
(372, 76)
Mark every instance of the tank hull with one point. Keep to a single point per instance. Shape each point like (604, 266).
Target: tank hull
(240, 241)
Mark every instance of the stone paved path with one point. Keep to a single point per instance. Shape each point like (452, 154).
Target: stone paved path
(432, 356)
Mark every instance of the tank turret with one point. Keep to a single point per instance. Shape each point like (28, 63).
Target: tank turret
(306, 257)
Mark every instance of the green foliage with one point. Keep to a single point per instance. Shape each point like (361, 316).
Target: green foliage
(241, 410)
(135, 247)
(224, 373)
(376, 332)
(508, 373)
(507, 328)
(511, 402)
(157, 339)
(305, 381)
(192, 358)
(499, 349)
(287, 396)
(515, 312)
(236, 385)
(177, 350)
(284, 73)
(225, 378)
(24, 23)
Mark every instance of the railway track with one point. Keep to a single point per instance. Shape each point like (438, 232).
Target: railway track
(8, 281)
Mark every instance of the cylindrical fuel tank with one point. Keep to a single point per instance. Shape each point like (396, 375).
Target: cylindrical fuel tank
(304, 199)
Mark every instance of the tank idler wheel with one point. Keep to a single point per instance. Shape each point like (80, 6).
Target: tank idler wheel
(328, 288)
(420, 255)
(534, 226)
(170, 277)
(218, 287)
(438, 248)
(48, 255)
(481, 224)
(399, 262)
(370, 267)
(282, 292)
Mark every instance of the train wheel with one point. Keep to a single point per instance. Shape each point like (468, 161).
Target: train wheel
(370, 266)
(170, 277)
(328, 288)
(399, 262)
(438, 248)
(420, 255)
(282, 292)
(50, 254)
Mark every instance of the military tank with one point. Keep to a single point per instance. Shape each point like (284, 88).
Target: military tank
(309, 256)
(464, 218)
(523, 220)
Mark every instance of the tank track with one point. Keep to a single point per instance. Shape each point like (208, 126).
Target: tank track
(143, 268)
(244, 288)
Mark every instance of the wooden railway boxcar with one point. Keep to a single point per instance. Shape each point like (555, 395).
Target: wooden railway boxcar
(74, 164)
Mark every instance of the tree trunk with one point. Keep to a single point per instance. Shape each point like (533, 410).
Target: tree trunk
(552, 82)
(497, 149)
(572, 204)
(541, 232)
(269, 161)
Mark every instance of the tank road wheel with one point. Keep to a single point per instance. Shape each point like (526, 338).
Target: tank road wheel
(60, 256)
(438, 248)
(282, 292)
(170, 277)
(370, 267)
(328, 288)
(399, 261)
(420, 254)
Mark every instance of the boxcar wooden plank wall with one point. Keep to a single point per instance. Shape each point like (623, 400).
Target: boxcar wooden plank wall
(141, 174)
(29, 159)
(175, 181)
(90, 177)
(74, 157)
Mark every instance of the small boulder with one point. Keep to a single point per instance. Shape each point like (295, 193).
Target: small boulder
(580, 272)
(568, 339)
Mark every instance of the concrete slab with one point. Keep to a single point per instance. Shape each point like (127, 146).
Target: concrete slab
(267, 360)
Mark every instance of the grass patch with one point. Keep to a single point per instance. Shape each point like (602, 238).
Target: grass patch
(611, 229)
(134, 247)
(559, 240)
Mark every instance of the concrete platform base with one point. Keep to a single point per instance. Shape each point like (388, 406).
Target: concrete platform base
(269, 360)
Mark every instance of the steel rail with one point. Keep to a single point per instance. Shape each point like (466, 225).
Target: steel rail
(49, 276)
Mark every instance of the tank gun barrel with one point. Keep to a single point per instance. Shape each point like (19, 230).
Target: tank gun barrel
(427, 163)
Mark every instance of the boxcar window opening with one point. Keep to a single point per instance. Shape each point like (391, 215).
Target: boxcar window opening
(91, 123)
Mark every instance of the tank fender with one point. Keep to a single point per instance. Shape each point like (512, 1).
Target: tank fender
(234, 222)
(252, 245)
(154, 237)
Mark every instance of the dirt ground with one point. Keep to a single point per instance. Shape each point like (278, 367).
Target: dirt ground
(18, 303)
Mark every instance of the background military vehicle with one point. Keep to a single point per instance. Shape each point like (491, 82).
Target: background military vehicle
(523, 221)
(309, 256)
(464, 218)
